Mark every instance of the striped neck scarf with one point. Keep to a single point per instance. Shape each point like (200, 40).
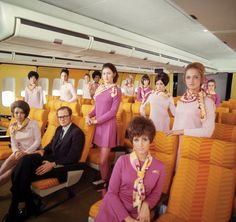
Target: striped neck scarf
(103, 88)
(139, 189)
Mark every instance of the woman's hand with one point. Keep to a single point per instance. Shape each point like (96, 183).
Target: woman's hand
(174, 132)
(130, 219)
(88, 120)
(94, 121)
(144, 214)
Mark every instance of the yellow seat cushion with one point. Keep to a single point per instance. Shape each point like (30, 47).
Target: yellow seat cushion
(5, 153)
(93, 211)
(45, 183)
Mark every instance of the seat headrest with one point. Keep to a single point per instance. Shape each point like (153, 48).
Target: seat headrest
(212, 151)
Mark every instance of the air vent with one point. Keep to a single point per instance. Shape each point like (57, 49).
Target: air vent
(112, 52)
(52, 28)
(185, 61)
(147, 51)
(33, 55)
(112, 43)
(169, 57)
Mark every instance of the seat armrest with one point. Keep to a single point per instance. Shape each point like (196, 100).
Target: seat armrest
(73, 167)
(3, 132)
(5, 138)
(6, 117)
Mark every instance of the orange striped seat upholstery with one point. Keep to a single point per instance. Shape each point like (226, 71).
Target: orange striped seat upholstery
(164, 148)
(228, 118)
(203, 187)
(219, 111)
(225, 132)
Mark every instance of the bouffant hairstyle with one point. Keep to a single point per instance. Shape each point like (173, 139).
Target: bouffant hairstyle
(65, 70)
(163, 77)
(113, 69)
(198, 66)
(33, 74)
(140, 126)
(22, 105)
(145, 77)
(96, 73)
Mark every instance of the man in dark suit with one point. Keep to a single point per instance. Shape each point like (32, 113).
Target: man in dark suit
(65, 148)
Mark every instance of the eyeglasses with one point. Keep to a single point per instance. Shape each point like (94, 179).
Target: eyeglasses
(62, 117)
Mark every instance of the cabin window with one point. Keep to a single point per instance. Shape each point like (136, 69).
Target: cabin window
(80, 87)
(24, 83)
(123, 85)
(44, 83)
(72, 81)
(8, 91)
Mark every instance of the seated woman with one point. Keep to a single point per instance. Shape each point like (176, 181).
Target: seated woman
(34, 92)
(137, 179)
(211, 93)
(25, 138)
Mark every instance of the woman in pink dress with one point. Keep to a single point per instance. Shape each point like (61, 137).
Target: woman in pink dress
(129, 86)
(195, 112)
(96, 78)
(144, 90)
(25, 138)
(137, 179)
(33, 92)
(67, 90)
(160, 100)
(107, 100)
(211, 93)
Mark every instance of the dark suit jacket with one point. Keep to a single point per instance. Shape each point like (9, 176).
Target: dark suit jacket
(69, 149)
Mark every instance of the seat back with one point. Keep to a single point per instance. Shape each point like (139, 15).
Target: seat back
(120, 124)
(41, 116)
(203, 187)
(88, 132)
(219, 111)
(136, 109)
(225, 132)
(51, 129)
(86, 109)
(164, 148)
(228, 118)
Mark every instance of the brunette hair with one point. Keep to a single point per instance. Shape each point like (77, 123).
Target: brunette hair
(113, 69)
(163, 77)
(22, 105)
(145, 77)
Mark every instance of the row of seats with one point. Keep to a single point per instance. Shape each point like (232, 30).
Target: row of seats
(204, 185)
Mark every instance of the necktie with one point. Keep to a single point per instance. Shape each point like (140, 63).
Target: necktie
(61, 134)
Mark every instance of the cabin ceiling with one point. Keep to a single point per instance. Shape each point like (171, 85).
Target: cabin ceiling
(168, 21)
(212, 36)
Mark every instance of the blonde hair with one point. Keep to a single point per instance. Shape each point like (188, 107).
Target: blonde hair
(198, 66)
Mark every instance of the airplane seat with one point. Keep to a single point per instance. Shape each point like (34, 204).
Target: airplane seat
(48, 186)
(228, 118)
(225, 132)
(219, 111)
(232, 104)
(41, 116)
(86, 109)
(120, 124)
(204, 183)
(127, 116)
(74, 107)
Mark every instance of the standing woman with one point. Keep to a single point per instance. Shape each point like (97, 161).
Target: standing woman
(129, 86)
(25, 138)
(33, 92)
(67, 90)
(86, 87)
(107, 100)
(160, 100)
(96, 78)
(144, 90)
(195, 112)
(211, 93)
